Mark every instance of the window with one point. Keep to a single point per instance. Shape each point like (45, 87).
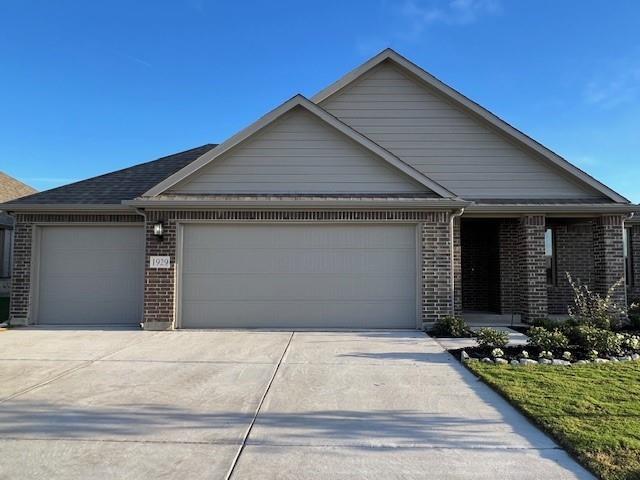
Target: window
(550, 255)
(628, 256)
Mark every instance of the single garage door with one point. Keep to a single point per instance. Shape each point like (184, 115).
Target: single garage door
(90, 275)
(298, 276)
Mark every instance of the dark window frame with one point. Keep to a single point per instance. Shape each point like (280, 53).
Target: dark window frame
(628, 258)
(552, 276)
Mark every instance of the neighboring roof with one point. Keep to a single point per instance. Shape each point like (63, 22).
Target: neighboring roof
(112, 188)
(10, 188)
(299, 101)
(470, 106)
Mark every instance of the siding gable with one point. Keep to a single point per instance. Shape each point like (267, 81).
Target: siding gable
(298, 153)
(444, 142)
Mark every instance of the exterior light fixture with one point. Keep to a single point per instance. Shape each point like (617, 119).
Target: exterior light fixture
(158, 230)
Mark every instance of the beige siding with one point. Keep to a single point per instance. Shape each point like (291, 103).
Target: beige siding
(444, 142)
(298, 153)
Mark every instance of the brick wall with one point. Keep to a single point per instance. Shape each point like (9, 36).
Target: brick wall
(574, 254)
(435, 267)
(509, 244)
(634, 289)
(608, 258)
(533, 281)
(23, 239)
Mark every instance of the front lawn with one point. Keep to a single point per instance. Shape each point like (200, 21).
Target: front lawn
(593, 411)
(4, 309)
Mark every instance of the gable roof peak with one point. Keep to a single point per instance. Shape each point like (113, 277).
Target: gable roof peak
(299, 100)
(474, 109)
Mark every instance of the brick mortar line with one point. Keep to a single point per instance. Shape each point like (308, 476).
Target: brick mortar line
(236, 458)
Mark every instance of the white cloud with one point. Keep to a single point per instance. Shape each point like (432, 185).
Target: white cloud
(454, 12)
(616, 83)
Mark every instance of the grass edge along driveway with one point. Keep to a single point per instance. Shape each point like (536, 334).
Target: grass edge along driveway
(593, 411)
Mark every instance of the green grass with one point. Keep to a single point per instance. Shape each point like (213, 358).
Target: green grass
(4, 309)
(593, 411)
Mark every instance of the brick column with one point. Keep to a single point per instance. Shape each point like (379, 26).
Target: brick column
(608, 256)
(533, 278)
(508, 248)
(457, 267)
(159, 284)
(436, 267)
(634, 291)
(21, 274)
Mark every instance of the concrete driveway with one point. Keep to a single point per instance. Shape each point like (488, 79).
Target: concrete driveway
(127, 404)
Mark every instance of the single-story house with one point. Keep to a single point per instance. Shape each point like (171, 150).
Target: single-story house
(10, 189)
(387, 200)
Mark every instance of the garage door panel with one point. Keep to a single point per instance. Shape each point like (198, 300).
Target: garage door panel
(347, 261)
(90, 275)
(297, 287)
(297, 276)
(276, 314)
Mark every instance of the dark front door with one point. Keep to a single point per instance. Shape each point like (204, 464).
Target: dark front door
(480, 266)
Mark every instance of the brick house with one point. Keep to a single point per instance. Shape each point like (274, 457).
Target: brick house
(387, 200)
(10, 189)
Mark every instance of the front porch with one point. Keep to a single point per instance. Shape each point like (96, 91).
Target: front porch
(512, 271)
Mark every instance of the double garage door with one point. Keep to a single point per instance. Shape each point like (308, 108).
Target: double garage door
(298, 276)
(235, 276)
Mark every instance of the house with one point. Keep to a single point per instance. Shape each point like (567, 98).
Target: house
(387, 200)
(10, 189)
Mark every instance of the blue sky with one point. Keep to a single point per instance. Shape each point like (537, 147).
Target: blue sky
(90, 87)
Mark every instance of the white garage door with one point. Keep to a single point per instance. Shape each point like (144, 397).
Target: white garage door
(90, 275)
(298, 276)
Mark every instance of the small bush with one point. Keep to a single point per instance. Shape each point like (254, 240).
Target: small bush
(548, 323)
(599, 339)
(451, 327)
(491, 338)
(591, 309)
(544, 339)
(634, 314)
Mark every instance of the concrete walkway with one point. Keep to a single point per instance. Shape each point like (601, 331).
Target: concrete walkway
(79, 404)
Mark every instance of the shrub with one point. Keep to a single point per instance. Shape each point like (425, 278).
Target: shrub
(491, 338)
(547, 340)
(599, 339)
(451, 327)
(634, 314)
(591, 309)
(548, 323)
(497, 353)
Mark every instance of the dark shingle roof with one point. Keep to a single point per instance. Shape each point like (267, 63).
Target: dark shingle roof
(540, 201)
(114, 187)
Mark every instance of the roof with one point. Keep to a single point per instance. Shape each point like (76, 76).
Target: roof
(10, 188)
(389, 55)
(112, 188)
(323, 115)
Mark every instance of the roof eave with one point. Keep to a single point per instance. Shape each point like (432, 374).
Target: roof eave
(434, 204)
(607, 208)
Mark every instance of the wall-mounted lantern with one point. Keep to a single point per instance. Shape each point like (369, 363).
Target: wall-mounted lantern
(158, 230)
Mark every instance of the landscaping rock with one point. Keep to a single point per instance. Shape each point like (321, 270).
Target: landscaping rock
(528, 361)
(625, 358)
(557, 361)
(635, 357)
(4, 325)
(601, 360)
(613, 359)
(582, 362)
(464, 356)
(514, 362)
(501, 361)
(486, 360)
(544, 361)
